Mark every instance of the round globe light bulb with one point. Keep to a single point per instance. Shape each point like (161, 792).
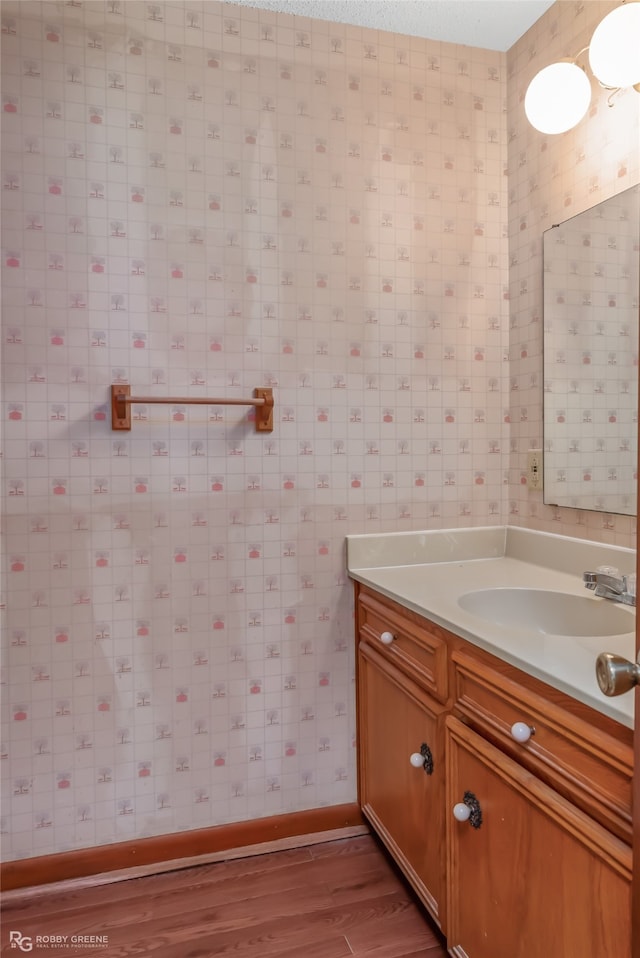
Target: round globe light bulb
(614, 51)
(558, 97)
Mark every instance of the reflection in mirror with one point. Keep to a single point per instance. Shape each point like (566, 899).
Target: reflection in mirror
(591, 297)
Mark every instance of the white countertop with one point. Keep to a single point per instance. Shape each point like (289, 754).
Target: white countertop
(439, 567)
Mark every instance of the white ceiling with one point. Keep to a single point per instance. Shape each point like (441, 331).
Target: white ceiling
(492, 24)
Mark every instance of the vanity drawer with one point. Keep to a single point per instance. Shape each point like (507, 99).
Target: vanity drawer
(416, 647)
(585, 761)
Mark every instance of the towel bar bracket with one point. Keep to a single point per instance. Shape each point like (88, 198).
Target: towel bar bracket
(120, 408)
(264, 413)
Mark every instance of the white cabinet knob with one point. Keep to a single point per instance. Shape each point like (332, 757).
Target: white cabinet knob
(387, 638)
(461, 812)
(521, 732)
(417, 760)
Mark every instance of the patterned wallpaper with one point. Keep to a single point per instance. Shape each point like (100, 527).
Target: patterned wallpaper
(552, 178)
(199, 199)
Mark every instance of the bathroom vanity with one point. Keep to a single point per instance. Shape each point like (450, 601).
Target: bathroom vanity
(491, 766)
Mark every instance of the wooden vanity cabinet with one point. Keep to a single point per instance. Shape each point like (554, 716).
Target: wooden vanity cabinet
(400, 720)
(582, 754)
(547, 873)
(532, 876)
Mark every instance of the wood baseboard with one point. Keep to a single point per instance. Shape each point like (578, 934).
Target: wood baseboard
(177, 850)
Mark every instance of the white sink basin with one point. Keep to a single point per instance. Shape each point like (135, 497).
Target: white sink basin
(551, 613)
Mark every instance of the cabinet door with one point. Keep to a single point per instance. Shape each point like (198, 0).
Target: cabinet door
(404, 803)
(537, 878)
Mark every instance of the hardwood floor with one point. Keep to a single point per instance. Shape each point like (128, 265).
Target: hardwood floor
(334, 900)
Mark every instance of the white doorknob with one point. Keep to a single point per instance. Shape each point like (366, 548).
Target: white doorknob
(387, 638)
(461, 812)
(521, 732)
(417, 760)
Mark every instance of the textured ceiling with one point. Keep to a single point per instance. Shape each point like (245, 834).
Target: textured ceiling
(492, 24)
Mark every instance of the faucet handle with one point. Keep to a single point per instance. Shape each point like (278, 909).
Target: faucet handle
(610, 570)
(590, 579)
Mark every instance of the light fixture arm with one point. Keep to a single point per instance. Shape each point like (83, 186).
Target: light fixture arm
(580, 52)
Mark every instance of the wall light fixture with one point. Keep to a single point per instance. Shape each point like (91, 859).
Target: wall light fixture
(559, 95)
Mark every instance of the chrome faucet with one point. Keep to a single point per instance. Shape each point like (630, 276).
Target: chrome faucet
(607, 586)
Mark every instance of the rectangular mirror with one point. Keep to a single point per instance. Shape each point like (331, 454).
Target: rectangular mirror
(590, 357)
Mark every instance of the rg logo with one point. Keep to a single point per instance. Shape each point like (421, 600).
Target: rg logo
(18, 940)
